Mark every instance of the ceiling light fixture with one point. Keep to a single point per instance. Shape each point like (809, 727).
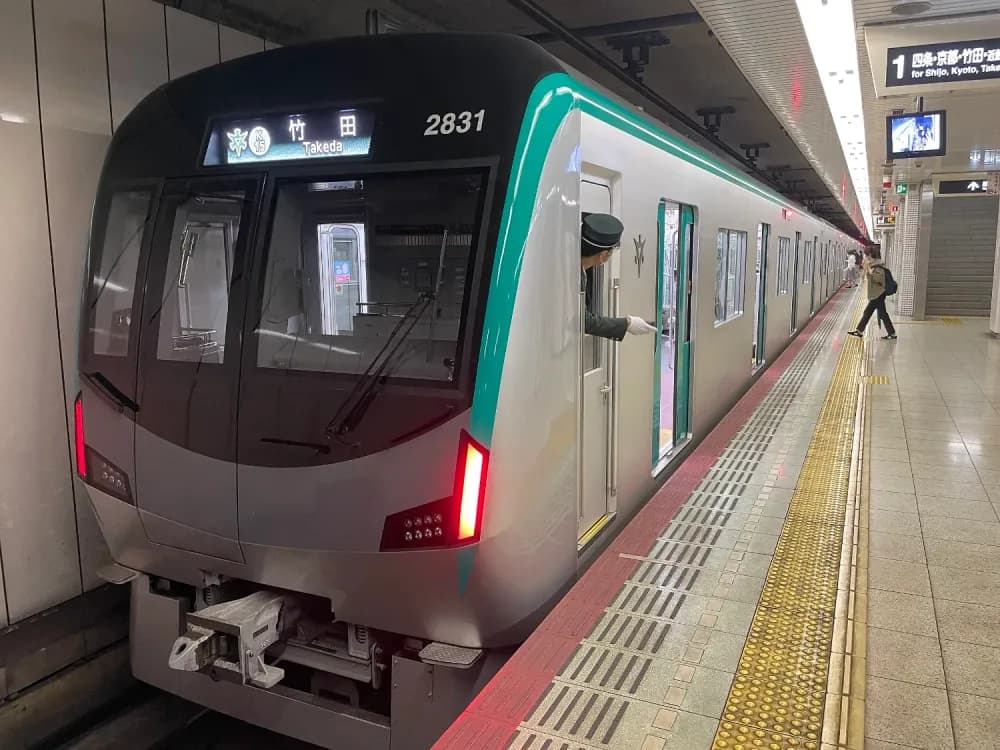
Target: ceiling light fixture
(829, 27)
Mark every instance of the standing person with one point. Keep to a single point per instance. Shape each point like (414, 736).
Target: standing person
(851, 271)
(874, 272)
(600, 235)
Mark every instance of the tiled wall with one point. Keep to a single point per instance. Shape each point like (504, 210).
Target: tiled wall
(906, 250)
(70, 71)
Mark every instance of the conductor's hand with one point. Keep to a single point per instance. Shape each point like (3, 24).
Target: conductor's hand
(639, 327)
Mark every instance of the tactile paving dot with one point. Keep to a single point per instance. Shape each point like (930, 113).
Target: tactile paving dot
(777, 697)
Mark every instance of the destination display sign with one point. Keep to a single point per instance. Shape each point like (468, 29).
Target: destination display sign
(316, 134)
(950, 62)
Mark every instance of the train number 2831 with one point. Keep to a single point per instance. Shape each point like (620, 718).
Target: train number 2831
(452, 122)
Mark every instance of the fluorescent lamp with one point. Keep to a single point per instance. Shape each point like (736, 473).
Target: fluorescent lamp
(829, 27)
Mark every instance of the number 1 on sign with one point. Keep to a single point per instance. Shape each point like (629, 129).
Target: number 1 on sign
(899, 62)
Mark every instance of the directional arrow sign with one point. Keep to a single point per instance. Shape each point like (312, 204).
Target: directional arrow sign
(963, 187)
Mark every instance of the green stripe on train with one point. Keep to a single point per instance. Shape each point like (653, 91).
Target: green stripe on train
(551, 100)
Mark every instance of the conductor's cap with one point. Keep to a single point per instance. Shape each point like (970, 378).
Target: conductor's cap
(601, 232)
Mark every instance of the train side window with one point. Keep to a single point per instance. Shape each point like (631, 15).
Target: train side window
(114, 278)
(195, 304)
(784, 264)
(730, 278)
(593, 350)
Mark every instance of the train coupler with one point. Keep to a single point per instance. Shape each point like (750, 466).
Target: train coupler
(230, 638)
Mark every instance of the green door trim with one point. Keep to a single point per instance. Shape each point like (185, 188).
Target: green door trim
(661, 236)
(682, 352)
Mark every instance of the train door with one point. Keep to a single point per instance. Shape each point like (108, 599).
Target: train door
(672, 362)
(827, 271)
(188, 375)
(794, 325)
(596, 375)
(760, 304)
(811, 263)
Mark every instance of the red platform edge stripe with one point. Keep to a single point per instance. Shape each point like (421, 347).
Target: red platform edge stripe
(493, 716)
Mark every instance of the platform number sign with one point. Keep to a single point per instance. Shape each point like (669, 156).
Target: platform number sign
(451, 123)
(950, 62)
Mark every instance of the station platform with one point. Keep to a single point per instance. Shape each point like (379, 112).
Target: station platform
(822, 571)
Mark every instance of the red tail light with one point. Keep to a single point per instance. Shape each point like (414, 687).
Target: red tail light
(92, 467)
(471, 487)
(450, 521)
(81, 443)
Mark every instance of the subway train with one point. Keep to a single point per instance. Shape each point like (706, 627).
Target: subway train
(339, 419)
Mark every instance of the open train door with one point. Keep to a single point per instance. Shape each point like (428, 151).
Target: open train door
(189, 364)
(672, 361)
(596, 374)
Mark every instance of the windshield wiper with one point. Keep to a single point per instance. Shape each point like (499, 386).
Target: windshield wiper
(109, 390)
(364, 390)
(360, 397)
(318, 447)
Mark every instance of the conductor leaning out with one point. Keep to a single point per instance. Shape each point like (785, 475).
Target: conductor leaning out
(601, 234)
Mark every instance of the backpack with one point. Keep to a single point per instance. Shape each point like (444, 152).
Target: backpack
(890, 283)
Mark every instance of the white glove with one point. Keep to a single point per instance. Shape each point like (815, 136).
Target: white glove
(639, 327)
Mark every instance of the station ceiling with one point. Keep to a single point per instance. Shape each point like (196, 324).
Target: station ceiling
(688, 67)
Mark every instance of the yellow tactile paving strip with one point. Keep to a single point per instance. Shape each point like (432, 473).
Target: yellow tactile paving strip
(778, 696)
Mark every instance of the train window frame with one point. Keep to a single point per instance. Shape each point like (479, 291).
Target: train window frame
(730, 298)
(244, 197)
(474, 303)
(116, 375)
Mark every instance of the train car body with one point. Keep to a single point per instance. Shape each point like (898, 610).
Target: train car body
(338, 411)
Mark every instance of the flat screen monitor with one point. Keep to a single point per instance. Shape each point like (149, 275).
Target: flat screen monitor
(912, 136)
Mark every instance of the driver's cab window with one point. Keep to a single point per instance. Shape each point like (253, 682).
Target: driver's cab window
(370, 274)
(195, 304)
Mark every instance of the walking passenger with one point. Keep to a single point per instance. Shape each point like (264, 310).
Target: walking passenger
(879, 280)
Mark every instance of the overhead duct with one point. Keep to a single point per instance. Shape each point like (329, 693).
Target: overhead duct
(592, 53)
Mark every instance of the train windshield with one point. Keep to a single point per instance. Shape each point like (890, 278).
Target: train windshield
(370, 276)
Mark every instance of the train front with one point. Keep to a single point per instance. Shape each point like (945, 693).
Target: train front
(281, 345)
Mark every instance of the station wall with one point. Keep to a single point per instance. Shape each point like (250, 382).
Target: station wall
(70, 71)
